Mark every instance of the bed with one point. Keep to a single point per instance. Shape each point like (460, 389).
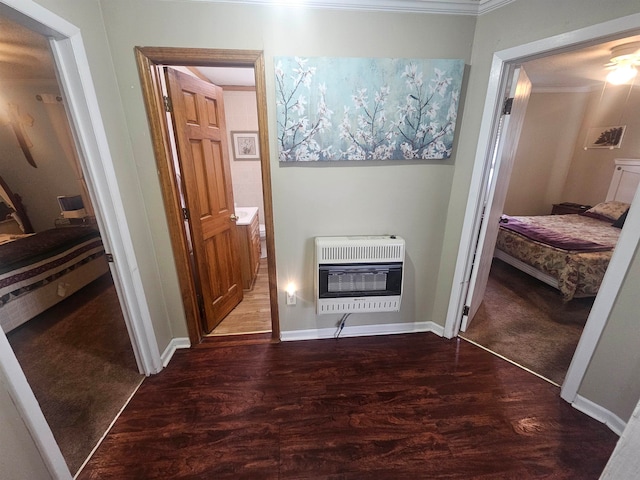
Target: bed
(571, 252)
(38, 270)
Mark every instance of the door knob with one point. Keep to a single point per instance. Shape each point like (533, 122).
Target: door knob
(233, 218)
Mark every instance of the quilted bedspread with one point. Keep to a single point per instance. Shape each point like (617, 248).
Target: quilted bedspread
(30, 262)
(579, 273)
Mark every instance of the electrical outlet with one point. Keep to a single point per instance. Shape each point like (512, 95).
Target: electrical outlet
(291, 298)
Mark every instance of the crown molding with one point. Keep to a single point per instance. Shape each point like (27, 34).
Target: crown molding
(487, 6)
(450, 7)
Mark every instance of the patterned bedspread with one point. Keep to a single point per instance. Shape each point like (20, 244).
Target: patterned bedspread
(27, 263)
(579, 274)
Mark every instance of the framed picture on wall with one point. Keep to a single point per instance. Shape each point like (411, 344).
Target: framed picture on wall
(352, 109)
(245, 145)
(605, 137)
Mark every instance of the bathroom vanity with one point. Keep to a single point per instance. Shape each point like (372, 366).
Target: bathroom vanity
(249, 239)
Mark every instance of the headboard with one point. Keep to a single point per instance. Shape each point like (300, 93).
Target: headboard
(625, 180)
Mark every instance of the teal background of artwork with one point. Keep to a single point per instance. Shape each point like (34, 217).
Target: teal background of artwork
(344, 78)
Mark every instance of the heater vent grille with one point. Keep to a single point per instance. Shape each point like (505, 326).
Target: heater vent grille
(365, 253)
(371, 249)
(368, 270)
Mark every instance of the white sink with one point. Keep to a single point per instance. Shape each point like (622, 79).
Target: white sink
(245, 215)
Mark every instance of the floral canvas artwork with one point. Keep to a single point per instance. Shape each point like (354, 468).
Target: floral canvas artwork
(333, 109)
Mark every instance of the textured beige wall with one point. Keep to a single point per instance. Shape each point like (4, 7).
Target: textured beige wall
(552, 165)
(38, 187)
(19, 457)
(544, 154)
(405, 198)
(624, 461)
(591, 169)
(612, 379)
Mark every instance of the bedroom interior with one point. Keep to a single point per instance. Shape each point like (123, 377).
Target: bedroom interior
(58, 304)
(557, 172)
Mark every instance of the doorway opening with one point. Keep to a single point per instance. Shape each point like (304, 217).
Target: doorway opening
(60, 310)
(253, 313)
(212, 66)
(521, 317)
(503, 67)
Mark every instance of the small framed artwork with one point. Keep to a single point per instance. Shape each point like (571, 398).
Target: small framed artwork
(605, 137)
(245, 145)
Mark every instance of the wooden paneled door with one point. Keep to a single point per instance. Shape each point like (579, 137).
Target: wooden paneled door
(199, 125)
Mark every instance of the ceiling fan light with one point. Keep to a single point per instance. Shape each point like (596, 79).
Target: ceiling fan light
(621, 74)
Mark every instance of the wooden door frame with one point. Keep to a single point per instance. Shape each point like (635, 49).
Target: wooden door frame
(148, 59)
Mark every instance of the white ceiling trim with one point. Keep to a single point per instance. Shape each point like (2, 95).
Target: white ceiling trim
(451, 7)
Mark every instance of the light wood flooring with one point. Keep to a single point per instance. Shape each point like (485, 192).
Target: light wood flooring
(396, 407)
(253, 314)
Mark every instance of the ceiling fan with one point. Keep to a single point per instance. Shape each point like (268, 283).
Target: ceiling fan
(623, 63)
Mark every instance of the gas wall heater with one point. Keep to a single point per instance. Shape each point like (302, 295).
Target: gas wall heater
(359, 274)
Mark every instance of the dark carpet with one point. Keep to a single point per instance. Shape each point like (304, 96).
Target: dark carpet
(78, 359)
(525, 321)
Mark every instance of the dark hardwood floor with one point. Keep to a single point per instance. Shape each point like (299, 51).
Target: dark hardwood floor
(388, 407)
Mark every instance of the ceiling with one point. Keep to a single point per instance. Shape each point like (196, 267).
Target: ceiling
(26, 55)
(584, 68)
(244, 77)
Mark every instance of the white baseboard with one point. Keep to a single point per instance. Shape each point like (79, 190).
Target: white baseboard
(174, 344)
(362, 331)
(595, 411)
